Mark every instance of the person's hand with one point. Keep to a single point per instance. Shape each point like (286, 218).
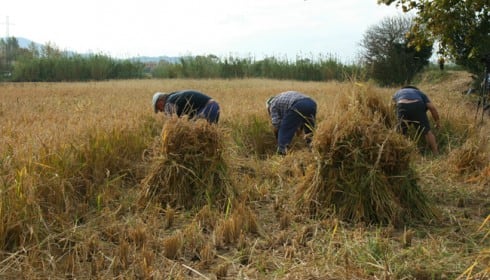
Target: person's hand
(437, 125)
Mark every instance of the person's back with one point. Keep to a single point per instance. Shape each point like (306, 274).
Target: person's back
(281, 103)
(410, 93)
(194, 104)
(411, 106)
(290, 111)
(187, 102)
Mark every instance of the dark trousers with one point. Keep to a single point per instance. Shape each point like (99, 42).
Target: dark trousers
(301, 114)
(210, 112)
(413, 114)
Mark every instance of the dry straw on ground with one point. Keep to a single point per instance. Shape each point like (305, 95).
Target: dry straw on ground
(188, 168)
(363, 170)
(471, 157)
(260, 235)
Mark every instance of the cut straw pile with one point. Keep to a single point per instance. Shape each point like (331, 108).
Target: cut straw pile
(363, 169)
(187, 166)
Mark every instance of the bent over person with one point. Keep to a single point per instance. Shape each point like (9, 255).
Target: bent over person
(192, 103)
(411, 109)
(289, 112)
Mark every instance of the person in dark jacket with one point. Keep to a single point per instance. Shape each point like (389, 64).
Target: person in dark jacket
(192, 103)
(411, 109)
(289, 112)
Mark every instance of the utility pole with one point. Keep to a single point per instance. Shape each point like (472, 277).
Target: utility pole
(7, 43)
(7, 27)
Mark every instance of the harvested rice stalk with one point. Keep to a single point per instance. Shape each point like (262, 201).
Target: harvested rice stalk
(471, 157)
(362, 172)
(188, 169)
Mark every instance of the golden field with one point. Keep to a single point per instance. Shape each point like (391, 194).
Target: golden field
(75, 159)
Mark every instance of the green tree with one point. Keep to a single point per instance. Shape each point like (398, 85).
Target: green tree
(9, 51)
(461, 27)
(50, 50)
(388, 55)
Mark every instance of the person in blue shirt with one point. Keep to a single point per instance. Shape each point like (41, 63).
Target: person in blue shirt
(289, 112)
(192, 103)
(411, 109)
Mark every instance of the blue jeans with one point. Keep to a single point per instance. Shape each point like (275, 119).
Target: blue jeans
(301, 114)
(210, 112)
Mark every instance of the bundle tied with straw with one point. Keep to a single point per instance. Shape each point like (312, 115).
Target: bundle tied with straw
(188, 168)
(363, 170)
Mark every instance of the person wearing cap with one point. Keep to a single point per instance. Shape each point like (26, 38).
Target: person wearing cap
(291, 111)
(194, 104)
(411, 110)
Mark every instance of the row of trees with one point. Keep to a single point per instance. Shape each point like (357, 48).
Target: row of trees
(305, 69)
(388, 56)
(57, 66)
(392, 52)
(460, 28)
(49, 64)
(75, 68)
(69, 67)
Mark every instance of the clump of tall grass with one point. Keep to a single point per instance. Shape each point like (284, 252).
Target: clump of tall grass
(83, 170)
(369, 102)
(453, 132)
(241, 220)
(363, 170)
(472, 156)
(17, 210)
(253, 135)
(63, 184)
(188, 168)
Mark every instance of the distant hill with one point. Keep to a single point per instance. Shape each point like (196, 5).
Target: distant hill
(156, 59)
(25, 43)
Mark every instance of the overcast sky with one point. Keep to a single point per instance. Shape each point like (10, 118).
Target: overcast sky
(240, 28)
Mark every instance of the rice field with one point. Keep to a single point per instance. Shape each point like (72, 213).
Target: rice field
(94, 185)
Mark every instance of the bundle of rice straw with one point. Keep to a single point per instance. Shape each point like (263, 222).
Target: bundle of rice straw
(188, 168)
(471, 157)
(363, 171)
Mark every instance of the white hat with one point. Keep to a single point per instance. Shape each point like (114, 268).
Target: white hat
(155, 99)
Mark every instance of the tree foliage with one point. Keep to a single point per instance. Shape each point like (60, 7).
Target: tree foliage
(304, 69)
(387, 54)
(461, 27)
(49, 64)
(9, 49)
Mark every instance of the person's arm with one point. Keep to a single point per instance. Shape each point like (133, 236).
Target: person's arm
(434, 113)
(275, 119)
(170, 109)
